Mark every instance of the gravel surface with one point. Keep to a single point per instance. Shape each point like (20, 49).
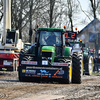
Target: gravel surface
(12, 89)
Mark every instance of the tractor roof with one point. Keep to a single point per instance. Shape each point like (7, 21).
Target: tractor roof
(75, 41)
(51, 29)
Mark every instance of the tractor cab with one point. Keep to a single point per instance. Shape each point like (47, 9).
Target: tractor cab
(50, 39)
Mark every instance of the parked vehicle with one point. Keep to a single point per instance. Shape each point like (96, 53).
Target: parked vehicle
(10, 42)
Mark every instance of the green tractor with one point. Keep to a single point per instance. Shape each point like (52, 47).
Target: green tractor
(88, 62)
(50, 58)
(87, 58)
(27, 45)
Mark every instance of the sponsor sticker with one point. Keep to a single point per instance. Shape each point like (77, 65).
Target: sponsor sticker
(23, 71)
(60, 64)
(59, 72)
(44, 62)
(29, 71)
(29, 62)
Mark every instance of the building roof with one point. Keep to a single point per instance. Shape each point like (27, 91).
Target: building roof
(88, 25)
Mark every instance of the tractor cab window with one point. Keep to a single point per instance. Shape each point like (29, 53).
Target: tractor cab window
(50, 38)
(10, 38)
(76, 46)
(85, 50)
(27, 46)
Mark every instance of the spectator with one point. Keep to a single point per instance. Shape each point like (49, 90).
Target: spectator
(94, 62)
(98, 63)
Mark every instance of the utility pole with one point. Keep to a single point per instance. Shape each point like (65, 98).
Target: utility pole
(96, 39)
(7, 17)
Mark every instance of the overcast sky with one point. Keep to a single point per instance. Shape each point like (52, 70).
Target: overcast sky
(84, 4)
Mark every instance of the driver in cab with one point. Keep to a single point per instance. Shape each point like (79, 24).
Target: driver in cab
(51, 39)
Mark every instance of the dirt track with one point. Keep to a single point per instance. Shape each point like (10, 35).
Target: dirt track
(12, 89)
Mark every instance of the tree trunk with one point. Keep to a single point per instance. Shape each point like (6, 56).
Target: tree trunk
(70, 13)
(30, 30)
(52, 3)
(93, 5)
(20, 20)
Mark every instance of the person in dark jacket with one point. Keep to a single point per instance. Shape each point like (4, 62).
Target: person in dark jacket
(94, 61)
(67, 43)
(98, 60)
(98, 63)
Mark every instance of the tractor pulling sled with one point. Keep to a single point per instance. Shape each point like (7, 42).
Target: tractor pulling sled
(50, 58)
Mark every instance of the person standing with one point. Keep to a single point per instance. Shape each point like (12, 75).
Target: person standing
(94, 62)
(98, 63)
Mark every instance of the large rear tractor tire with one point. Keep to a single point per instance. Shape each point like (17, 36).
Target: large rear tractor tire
(77, 65)
(88, 65)
(22, 53)
(21, 79)
(69, 75)
(23, 58)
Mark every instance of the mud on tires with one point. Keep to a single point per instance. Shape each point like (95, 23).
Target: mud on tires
(77, 63)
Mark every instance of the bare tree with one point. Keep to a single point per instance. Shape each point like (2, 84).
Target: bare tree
(92, 12)
(1, 10)
(94, 6)
(52, 3)
(47, 13)
(51, 15)
(23, 12)
(72, 11)
(83, 12)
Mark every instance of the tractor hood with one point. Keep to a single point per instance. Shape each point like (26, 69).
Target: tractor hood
(48, 52)
(48, 49)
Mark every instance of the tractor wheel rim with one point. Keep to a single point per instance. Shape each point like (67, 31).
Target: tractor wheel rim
(70, 74)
